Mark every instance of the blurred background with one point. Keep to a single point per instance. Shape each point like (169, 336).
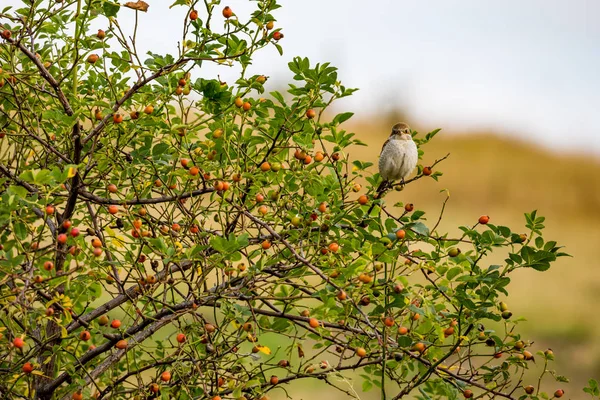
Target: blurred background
(516, 88)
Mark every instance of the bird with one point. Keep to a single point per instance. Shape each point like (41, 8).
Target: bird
(399, 156)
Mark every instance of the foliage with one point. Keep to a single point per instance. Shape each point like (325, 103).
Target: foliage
(206, 219)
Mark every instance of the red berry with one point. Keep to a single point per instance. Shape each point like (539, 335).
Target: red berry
(18, 343)
(27, 367)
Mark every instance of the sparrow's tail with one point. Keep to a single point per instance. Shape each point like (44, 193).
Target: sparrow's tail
(383, 186)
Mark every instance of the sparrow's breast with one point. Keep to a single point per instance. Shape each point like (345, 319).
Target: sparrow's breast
(398, 159)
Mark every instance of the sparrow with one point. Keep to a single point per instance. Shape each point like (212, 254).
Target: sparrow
(399, 156)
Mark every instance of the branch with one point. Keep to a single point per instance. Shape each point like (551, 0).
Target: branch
(165, 199)
(46, 75)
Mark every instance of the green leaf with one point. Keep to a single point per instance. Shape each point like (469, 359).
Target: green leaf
(18, 190)
(420, 228)
(338, 119)
(404, 341)
(453, 273)
(110, 9)
(160, 149)
(20, 230)
(538, 260)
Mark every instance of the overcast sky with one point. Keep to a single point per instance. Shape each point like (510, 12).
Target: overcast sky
(528, 68)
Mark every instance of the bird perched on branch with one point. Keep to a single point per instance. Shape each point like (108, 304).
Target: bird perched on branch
(398, 158)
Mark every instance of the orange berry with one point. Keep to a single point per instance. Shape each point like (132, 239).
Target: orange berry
(277, 35)
(468, 394)
(50, 209)
(112, 188)
(246, 106)
(113, 209)
(61, 238)
(319, 156)
(409, 207)
(194, 171)
(402, 330)
(274, 380)
(115, 324)
(193, 15)
(266, 245)
(181, 338)
(361, 352)
(227, 12)
(484, 219)
(238, 102)
(400, 234)
(333, 247)
(85, 336)
(559, 393)
(48, 265)
(420, 347)
(148, 110)
(270, 25)
(362, 200)
(313, 322)
(93, 58)
(117, 118)
(449, 331)
(18, 343)
(121, 344)
(427, 171)
(165, 376)
(323, 207)
(388, 321)
(310, 114)
(265, 166)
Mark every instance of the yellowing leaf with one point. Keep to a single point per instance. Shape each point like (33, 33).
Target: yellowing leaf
(116, 240)
(63, 333)
(71, 172)
(264, 349)
(138, 5)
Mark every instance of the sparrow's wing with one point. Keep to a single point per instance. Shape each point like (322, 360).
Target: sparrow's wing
(384, 144)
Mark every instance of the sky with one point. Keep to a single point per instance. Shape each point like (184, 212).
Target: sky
(524, 68)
